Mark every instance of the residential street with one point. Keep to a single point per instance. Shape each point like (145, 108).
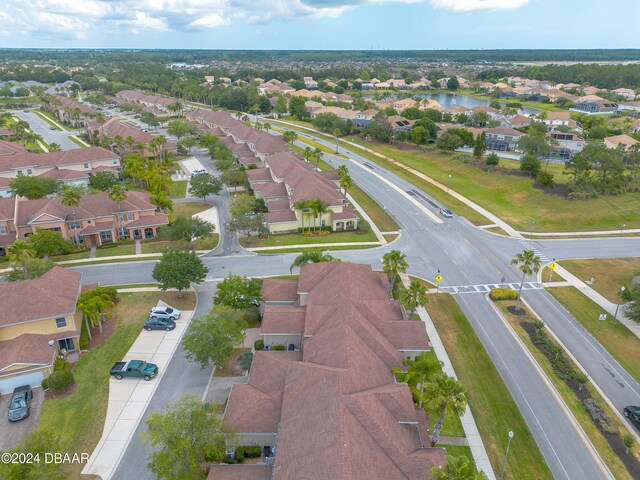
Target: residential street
(465, 255)
(42, 128)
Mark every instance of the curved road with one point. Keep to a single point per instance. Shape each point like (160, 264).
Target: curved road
(465, 255)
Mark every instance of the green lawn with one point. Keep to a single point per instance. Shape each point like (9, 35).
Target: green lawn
(513, 198)
(300, 250)
(178, 189)
(189, 209)
(155, 246)
(71, 256)
(314, 144)
(300, 239)
(114, 251)
(493, 408)
(599, 441)
(459, 451)
(610, 274)
(619, 341)
(75, 140)
(79, 418)
(509, 197)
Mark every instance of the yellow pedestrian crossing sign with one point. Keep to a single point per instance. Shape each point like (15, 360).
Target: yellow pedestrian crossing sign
(553, 266)
(438, 278)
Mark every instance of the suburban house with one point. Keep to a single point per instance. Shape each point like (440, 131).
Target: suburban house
(332, 391)
(399, 123)
(517, 121)
(624, 142)
(97, 220)
(310, 83)
(152, 103)
(503, 138)
(568, 144)
(10, 148)
(340, 112)
(312, 106)
(363, 118)
(133, 138)
(73, 167)
(627, 93)
(287, 179)
(36, 326)
(595, 107)
(70, 111)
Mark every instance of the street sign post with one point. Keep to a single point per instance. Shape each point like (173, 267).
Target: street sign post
(438, 278)
(602, 317)
(552, 267)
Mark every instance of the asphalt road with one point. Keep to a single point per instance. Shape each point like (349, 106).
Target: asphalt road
(464, 255)
(42, 128)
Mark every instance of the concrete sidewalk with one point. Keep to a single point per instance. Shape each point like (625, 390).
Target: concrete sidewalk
(129, 398)
(605, 304)
(314, 245)
(471, 432)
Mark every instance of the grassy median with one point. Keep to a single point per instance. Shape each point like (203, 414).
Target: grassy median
(609, 274)
(493, 408)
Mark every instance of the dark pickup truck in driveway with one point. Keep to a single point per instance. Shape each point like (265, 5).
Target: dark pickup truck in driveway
(134, 368)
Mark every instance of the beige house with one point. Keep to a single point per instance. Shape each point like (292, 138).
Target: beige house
(624, 142)
(329, 406)
(36, 325)
(97, 220)
(286, 180)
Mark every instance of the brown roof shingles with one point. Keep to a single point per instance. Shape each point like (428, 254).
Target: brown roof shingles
(275, 290)
(54, 294)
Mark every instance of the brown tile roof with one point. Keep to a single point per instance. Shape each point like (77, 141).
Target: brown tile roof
(117, 127)
(275, 290)
(7, 208)
(30, 349)
(504, 131)
(278, 205)
(65, 174)
(91, 207)
(9, 148)
(240, 472)
(282, 319)
(280, 216)
(7, 239)
(66, 157)
(330, 175)
(54, 294)
(346, 214)
(271, 189)
(149, 221)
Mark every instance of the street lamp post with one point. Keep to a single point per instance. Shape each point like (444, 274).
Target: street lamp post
(504, 464)
(449, 183)
(622, 289)
(533, 226)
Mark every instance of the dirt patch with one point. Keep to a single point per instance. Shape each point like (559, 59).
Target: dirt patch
(97, 337)
(51, 395)
(232, 367)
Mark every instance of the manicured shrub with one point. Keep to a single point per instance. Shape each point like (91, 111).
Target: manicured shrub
(503, 294)
(84, 336)
(492, 160)
(530, 164)
(253, 451)
(258, 345)
(60, 380)
(278, 347)
(45, 384)
(546, 179)
(60, 364)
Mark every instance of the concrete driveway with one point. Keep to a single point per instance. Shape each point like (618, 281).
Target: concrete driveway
(13, 433)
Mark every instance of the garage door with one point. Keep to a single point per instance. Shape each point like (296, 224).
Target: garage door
(8, 384)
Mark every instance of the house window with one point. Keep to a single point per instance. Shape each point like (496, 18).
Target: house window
(120, 217)
(129, 216)
(123, 232)
(3, 230)
(114, 162)
(75, 225)
(29, 171)
(61, 322)
(19, 172)
(86, 166)
(106, 237)
(78, 239)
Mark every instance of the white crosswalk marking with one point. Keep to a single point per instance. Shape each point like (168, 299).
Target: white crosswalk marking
(528, 246)
(487, 287)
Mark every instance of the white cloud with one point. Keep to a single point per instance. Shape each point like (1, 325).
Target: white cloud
(143, 20)
(87, 8)
(478, 5)
(209, 21)
(60, 25)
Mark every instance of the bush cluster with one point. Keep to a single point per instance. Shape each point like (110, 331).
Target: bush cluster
(278, 347)
(599, 417)
(245, 360)
(60, 380)
(559, 362)
(258, 345)
(253, 451)
(503, 294)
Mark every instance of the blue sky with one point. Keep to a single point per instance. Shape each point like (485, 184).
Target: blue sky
(320, 24)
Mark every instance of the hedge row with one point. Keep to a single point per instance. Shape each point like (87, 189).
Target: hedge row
(503, 294)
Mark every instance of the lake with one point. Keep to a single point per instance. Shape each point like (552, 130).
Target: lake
(452, 99)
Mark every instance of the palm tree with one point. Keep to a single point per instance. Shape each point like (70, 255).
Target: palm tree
(129, 141)
(93, 306)
(161, 140)
(290, 136)
(118, 194)
(317, 156)
(267, 127)
(393, 264)
(54, 147)
(305, 207)
(320, 208)
(312, 256)
(346, 182)
(19, 252)
(342, 170)
(529, 264)
(415, 296)
(70, 197)
(457, 468)
(336, 133)
(162, 201)
(447, 395)
(307, 153)
(419, 372)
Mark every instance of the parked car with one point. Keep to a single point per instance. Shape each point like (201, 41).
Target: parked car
(169, 312)
(197, 172)
(446, 213)
(134, 368)
(26, 111)
(159, 324)
(632, 412)
(52, 127)
(19, 406)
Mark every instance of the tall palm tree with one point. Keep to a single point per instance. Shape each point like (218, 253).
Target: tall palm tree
(305, 207)
(529, 264)
(418, 373)
(312, 256)
(129, 141)
(118, 194)
(162, 201)
(19, 252)
(415, 296)
(267, 127)
(70, 197)
(54, 147)
(119, 141)
(342, 170)
(447, 395)
(290, 136)
(346, 182)
(307, 153)
(393, 264)
(336, 133)
(321, 208)
(317, 156)
(161, 141)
